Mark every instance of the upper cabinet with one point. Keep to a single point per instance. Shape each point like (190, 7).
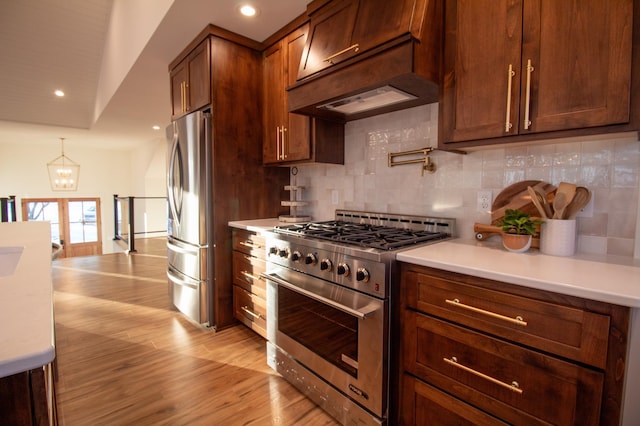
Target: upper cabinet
(341, 29)
(191, 81)
(293, 138)
(330, 37)
(530, 67)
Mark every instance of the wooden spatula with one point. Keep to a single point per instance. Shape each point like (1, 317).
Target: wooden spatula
(564, 196)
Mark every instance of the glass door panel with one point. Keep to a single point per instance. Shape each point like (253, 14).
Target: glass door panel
(82, 222)
(46, 210)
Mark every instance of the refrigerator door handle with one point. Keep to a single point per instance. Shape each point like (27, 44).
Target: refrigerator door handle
(182, 249)
(180, 279)
(171, 180)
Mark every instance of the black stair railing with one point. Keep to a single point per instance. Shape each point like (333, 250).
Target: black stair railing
(150, 213)
(8, 209)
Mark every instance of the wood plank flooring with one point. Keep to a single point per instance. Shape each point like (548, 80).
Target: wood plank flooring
(125, 357)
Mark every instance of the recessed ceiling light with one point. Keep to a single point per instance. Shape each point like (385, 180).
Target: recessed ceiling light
(247, 10)
(156, 127)
(59, 93)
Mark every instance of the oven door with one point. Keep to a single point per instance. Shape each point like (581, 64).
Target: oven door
(337, 333)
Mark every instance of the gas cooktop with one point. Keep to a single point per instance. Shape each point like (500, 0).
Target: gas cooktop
(374, 230)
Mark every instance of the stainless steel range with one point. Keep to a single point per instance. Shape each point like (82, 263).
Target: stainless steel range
(330, 292)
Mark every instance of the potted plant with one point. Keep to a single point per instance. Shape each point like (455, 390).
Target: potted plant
(518, 229)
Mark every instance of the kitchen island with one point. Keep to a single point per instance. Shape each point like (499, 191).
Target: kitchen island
(611, 280)
(27, 350)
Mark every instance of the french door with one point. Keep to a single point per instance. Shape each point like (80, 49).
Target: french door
(75, 223)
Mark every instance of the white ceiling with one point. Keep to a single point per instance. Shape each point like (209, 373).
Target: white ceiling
(51, 44)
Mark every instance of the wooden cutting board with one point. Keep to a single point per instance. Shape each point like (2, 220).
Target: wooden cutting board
(512, 197)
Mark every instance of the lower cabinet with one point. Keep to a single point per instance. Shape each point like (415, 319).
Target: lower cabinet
(251, 310)
(426, 405)
(477, 351)
(249, 290)
(28, 398)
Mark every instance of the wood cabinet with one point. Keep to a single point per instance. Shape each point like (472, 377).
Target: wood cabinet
(29, 398)
(477, 351)
(342, 29)
(241, 188)
(249, 290)
(293, 138)
(525, 69)
(191, 81)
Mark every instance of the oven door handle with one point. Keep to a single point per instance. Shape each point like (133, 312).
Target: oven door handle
(317, 297)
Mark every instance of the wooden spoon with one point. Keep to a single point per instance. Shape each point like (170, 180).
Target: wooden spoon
(580, 199)
(569, 191)
(535, 199)
(559, 205)
(542, 196)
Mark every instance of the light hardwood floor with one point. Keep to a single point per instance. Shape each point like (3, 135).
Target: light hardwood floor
(125, 357)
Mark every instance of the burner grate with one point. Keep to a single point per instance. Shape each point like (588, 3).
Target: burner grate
(365, 235)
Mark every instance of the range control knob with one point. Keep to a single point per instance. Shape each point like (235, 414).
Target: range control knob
(310, 259)
(343, 269)
(326, 265)
(362, 275)
(273, 250)
(296, 256)
(283, 253)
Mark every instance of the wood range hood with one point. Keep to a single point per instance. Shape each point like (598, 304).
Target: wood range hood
(395, 74)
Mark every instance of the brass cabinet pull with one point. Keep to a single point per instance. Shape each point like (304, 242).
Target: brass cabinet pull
(527, 101)
(507, 124)
(513, 386)
(186, 96)
(278, 153)
(250, 312)
(250, 276)
(517, 320)
(250, 244)
(355, 48)
(183, 94)
(284, 141)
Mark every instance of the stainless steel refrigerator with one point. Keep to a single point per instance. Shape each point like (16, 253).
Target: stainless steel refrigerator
(189, 230)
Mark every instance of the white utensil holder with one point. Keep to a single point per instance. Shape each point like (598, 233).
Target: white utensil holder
(558, 237)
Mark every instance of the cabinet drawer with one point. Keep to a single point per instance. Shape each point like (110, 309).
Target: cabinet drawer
(249, 243)
(426, 405)
(563, 330)
(515, 384)
(250, 310)
(246, 273)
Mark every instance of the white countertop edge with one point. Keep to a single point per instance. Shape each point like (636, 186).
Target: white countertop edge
(257, 225)
(35, 359)
(581, 276)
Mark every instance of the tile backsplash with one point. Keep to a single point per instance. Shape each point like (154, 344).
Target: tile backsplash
(607, 165)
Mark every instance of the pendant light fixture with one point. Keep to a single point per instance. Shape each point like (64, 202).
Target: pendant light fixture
(63, 172)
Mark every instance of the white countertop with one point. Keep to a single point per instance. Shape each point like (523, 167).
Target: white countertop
(607, 279)
(26, 300)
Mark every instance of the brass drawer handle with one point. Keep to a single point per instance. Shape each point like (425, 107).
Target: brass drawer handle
(517, 320)
(251, 313)
(355, 48)
(250, 244)
(513, 386)
(250, 276)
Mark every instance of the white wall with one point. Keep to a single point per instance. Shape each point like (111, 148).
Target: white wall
(606, 165)
(103, 172)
